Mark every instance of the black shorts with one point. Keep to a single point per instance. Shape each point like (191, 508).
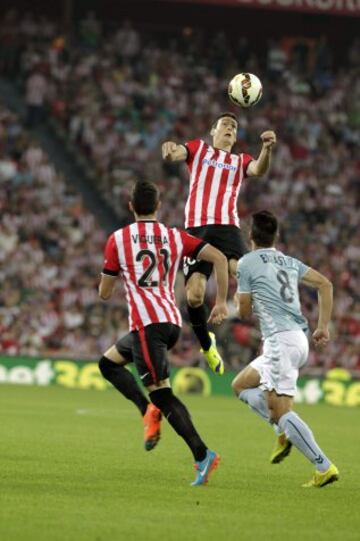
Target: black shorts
(226, 238)
(147, 349)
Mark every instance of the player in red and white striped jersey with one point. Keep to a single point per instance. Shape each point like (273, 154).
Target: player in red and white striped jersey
(146, 254)
(216, 175)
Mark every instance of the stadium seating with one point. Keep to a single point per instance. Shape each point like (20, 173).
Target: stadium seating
(115, 106)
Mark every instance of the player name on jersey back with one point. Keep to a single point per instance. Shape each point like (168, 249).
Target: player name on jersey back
(150, 239)
(281, 260)
(215, 181)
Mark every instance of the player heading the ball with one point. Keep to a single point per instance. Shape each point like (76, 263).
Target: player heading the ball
(216, 175)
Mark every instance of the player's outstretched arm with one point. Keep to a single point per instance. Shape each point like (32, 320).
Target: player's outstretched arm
(214, 256)
(259, 167)
(106, 286)
(171, 152)
(313, 278)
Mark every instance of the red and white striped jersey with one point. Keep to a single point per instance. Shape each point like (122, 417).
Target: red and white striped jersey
(215, 180)
(147, 254)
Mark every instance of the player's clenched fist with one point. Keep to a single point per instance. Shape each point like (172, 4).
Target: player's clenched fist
(268, 138)
(168, 149)
(321, 338)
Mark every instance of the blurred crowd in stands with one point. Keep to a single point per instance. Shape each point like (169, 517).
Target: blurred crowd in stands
(117, 96)
(50, 258)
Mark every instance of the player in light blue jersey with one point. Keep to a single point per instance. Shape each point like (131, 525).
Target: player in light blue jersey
(268, 286)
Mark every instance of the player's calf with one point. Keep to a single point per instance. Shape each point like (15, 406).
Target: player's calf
(123, 380)
(179, 418)
(195, 295)
(301, 436)
(278, 405)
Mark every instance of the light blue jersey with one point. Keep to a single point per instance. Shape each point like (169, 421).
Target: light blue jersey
(272, 279)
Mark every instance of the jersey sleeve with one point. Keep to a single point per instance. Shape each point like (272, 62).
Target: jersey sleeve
(243, 276)
(301, 268)
(111, 257)
(191, 245)
(191, 149)
(246, 159)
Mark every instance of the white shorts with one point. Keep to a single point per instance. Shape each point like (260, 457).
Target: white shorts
(284, 354)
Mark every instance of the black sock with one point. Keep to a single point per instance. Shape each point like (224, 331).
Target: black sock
(124, 382)
(179, 418)
(198, 320)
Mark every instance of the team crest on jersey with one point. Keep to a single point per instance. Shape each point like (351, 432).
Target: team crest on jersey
(187, 262)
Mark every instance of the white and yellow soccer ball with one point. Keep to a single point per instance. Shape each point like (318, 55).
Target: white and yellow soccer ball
(245, 89)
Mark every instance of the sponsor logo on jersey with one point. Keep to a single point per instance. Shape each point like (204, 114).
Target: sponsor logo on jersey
(220, 165)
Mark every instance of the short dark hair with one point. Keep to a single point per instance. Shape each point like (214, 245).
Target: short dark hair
(264, 228)
(222, 115)
(144, 198)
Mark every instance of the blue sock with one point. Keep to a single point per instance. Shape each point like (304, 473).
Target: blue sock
(302, 437)
(255, 399)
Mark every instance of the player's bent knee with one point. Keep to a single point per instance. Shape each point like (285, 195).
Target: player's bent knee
(246, 379)
(237, 386)
(161, 397)
(195, 297)
(163, 384)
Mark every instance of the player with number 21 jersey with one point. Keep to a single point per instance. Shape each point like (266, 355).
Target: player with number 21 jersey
(146, 254)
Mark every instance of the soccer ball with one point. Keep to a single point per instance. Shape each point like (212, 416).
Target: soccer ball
(245, 89)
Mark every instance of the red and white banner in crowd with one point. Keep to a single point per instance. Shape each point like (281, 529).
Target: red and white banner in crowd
(331, 7)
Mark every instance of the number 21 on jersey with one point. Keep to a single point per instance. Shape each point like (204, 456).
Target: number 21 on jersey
(152, 264)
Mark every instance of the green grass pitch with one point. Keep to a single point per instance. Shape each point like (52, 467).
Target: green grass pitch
(72, 468)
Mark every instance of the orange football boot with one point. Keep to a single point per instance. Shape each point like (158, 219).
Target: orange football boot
(152, 423)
